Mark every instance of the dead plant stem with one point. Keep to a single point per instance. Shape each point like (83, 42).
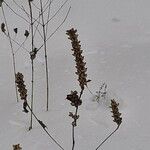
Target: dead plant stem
(107, 138)
(12, 52)
(32, 63)
(46, 59)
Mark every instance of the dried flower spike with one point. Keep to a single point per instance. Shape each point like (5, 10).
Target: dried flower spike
(79, 59)
(115, 111)
(22, 89)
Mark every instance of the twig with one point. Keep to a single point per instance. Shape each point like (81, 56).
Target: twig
(44, 128)
(46, 59)
(12, 51)
(56, 28)
(32, 63)
(107, 138)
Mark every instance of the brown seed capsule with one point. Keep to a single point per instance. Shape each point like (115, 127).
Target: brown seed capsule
(3, 27)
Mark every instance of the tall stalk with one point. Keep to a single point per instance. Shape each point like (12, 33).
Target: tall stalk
(46, 59)
(12, 51)
(32, 62)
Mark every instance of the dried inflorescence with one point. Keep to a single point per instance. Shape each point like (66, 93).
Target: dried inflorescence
(22, 89)
(17, 147)
(75, 101)
(115, 111)
(79, 59)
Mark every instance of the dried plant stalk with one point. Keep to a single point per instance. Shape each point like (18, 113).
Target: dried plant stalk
(23, 94)
(32, 54)
(117, 120)
(81, 72)
(3, 25)
(46, 57)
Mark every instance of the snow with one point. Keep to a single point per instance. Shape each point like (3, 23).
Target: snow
(115, 38)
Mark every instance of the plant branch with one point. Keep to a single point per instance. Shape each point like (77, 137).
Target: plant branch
(107, 138)
(12, 51)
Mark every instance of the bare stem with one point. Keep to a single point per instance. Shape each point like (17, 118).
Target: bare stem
(46, 59)
(107, 138)
(12, 51)
(44, 128)
(73, 127)
(32, 62)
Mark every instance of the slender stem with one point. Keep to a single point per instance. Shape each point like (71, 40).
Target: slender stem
(56, 28)
(45, 128)
(73, 127)
(12, 52)
(107, 138)
(32, 62)
(46, 59)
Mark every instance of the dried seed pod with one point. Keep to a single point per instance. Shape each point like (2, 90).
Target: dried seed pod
(26, 34)
(115, 111)
(33, 53)
(3, 27)
(16, 30)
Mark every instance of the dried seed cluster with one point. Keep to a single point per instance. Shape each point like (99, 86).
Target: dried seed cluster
(21, 86)
(75, 101)
(79, 59)
(3, 27)
(17, 147)
(115, 111)
(22, 89)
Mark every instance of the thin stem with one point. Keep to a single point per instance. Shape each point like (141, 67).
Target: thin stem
(12, 51)
(46, 59)
(73, 127)
(107, 138)
(57, 11)
(48, 16)
(56, 28)
(44, 128)
(16, 13)
(32, 62)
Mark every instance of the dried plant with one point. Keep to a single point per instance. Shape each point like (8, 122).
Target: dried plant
(81, 72)
(5, 30)
(22, 90)
(117, 120)
(17, 147)
(79, 59)
(23, 94)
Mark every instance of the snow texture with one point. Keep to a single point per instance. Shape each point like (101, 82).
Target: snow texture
(115, 38)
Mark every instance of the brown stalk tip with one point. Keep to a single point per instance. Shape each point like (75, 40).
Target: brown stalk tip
(115, 111)
(79, 59)
(17, 147)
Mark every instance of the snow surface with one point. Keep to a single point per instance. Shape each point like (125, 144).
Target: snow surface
(115, 37)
